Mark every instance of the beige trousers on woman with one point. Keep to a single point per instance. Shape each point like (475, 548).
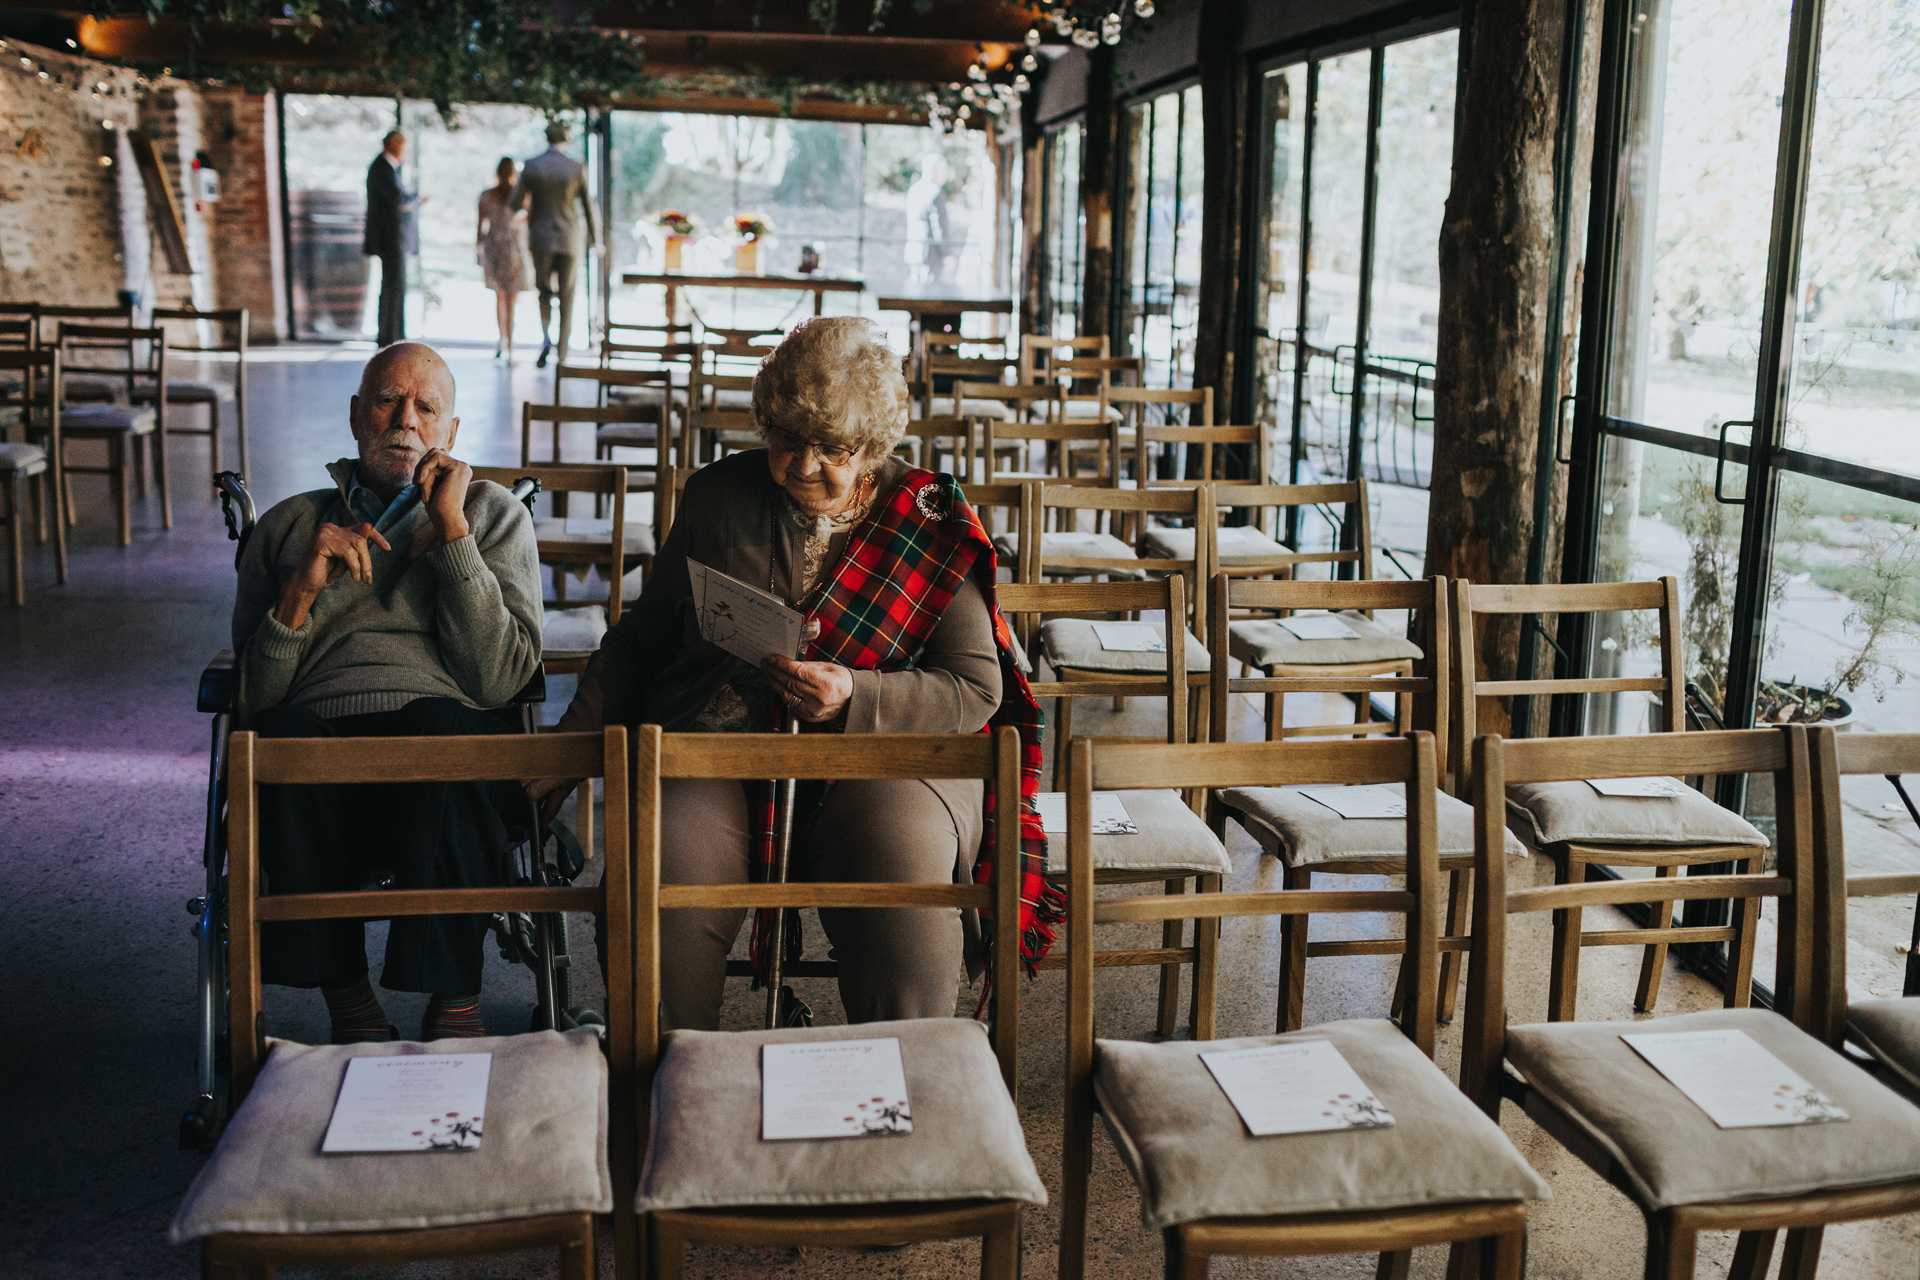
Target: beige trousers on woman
(893, 963)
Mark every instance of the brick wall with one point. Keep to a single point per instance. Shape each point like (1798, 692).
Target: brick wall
(241, 133)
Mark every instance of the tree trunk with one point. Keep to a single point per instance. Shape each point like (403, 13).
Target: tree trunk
(1099, 158)
(1223, 84)
(1496, 270)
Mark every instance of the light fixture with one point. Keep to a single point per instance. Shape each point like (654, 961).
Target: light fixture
(1110, 28)
(1021, 84)
(1084, 38)
(1029, 63)
(1033, 37)
(1143, 8)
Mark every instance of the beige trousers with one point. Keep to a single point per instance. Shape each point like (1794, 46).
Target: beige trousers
(893, 963)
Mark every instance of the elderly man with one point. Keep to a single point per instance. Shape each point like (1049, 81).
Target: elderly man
(403, 600)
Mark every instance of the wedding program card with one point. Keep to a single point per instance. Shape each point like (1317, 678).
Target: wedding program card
(747, 622)
(833, 1089)
(1656, 786)
(1110, 816)
(1319, 626)
(1297, 1086)
(1736, 1082)
(1129, 637)
(1374, 800)
(410, 1102)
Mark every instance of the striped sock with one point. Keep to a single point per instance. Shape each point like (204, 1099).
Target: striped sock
(356, 1013)
(452, 1018)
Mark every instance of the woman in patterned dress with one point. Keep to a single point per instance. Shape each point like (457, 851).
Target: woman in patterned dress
(502, 247)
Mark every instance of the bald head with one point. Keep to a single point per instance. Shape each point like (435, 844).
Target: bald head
(403, 411)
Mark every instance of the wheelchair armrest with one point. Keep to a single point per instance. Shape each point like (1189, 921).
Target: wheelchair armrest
(217, 684)
(535, 690)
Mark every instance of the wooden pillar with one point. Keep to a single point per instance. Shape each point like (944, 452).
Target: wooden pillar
(1099, 182)
(1031, 286)
(1223, 111)
(1497, 259)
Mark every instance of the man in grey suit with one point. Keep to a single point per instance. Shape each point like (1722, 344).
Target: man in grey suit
(551, 185)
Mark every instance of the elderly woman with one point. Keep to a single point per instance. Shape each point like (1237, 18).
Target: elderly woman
(897, 573)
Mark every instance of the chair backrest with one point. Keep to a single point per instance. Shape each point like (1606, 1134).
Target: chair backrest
(1132, 402)
(670, 482)
(994, 758)
(17, 333)
(227, 327)
(119, 313)
(649, 344)
(1834, 756)
(1269, 501)
(1038, 351)
(990, 499)
(125, 342)
(42, 393)
(1423, 699)
(1031, 602)
(603, 377)
(1497, 763)
(1137, 505)
(610, 481)
(257, 762)
(558, 415)
(1149, 441)
(1471, 601)
(926, 439)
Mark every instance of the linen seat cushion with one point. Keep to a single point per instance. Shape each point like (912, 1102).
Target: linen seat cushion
(544, 1149)
(186, 391)
(653, 395)
(1072, 642)
(1263, 642)
(732, 398)
(1607, 1105)
(80, 387)
(122, 418)
(1192, 1157)
(23, 459)
(553, 529)
(1302, 832)
(1239, 545)
(1549, 813)
(704, 1148)
(637, 434)
(1172, 837)
(573, 630)
(1890, 1031)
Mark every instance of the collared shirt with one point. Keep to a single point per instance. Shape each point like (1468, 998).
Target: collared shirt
(365, 505)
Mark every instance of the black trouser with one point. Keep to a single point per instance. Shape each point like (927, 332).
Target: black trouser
(393, 298)
(428, 835)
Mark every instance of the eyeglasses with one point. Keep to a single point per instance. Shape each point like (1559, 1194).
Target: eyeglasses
(834, 455)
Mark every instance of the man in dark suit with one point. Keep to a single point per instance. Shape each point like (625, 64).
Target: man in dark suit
(387, 207)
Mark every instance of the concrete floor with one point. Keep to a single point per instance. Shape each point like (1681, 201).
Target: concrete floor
(102, 777)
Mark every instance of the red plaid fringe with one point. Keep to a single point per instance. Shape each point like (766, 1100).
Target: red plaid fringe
(901, 569)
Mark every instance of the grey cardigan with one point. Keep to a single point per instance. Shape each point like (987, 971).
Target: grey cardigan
(440, 620)
(653, 667)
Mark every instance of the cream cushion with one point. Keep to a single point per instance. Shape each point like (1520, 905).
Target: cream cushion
(1072, 642)
(704, 1148)
(554, 530)
(544, 1150)
(1263, 642)
(1547, 813)
(26, 459)
(635, 435)
(1073, 545)
(1890, 1031)
(186, 391)
(1302, 832)
(1172, 837)
(1192, 1157)
(573, 630)
(1609, 1107)
(1237, 545)
(125, 419)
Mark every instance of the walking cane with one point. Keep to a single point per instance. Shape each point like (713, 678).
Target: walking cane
(784, 1008)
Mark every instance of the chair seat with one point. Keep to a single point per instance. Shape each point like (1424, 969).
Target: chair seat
(1172, 838)
(1073, 545)
(573, 630)
(1890, 1031)
(1072, 642)
(544, 1150)
(1302, 832)
(1612, 1109)
(650, 396)
(186, 391)
(704, 1148)
(1240, 545)
(642, 435)
(732, 398)
(1192, 1157)
(1551, 813)
(552, 531)
(1088, 410)
(1263, 642)
(124, 419)
(23, 459)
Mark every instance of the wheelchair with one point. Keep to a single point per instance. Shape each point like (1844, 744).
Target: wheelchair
(540, 852)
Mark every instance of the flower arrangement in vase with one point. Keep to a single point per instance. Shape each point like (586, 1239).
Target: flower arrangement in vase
(751, 228)
(680, 228)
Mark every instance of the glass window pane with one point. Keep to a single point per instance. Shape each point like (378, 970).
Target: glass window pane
(1158, 308)
(331, 140)
(1277, 259)
(1856, 368)
(1696, 200)
(1064, 234)
(1333, 263)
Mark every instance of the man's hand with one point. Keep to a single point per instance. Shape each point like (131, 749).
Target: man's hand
(553, 792)
(443, 481)
(814, 691)
(337, 551)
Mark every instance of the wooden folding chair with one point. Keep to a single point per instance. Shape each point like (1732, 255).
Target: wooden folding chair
(229, 337)
(122, 428)
(1440, 1173)
(719, 407)
(1173, 844)
(1569, 820)
(930, 441)
(40, 405)
(704, 1087)
(83, 385)
(622, 426)
(1011, 421)
(506, 1195)
(991, 500)
(669, 487)
(1038, 352)
(1598, 1098)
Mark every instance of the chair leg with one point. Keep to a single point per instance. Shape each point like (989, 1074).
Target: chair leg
(16, 560)
(1563, 981)
(666, 1252)
(1752, 1255)
(122, 499)
(1463, 1259)
(1653, 957)
(1393, 1266)
(142, 478)
(1671, 1248)
(160, 475)
(1172, 934)
(1459, 903)
(1508, 1256)
(1206, 966)
(1802, 1255)
(1000, 1249)
(40, 509)
(1062, 735)
(1183, 1263)
(1293, 959)
(576, 1259)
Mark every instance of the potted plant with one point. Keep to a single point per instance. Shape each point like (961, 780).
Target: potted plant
(751, 228)
(679, 228)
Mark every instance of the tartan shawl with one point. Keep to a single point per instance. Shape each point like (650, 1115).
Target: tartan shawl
(900, 570)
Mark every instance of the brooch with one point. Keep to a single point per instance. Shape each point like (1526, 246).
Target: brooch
(931, 502)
